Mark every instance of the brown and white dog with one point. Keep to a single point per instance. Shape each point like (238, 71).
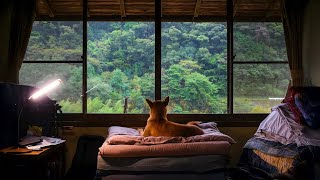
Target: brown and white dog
(159, 125)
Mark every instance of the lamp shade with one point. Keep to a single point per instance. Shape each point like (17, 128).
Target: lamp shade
(45, 89)
(34, 96)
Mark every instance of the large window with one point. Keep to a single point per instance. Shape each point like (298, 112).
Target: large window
(55, 41)
(261, 71)
(121, 72)
(120, 66)
(194, 66)
(54, 52)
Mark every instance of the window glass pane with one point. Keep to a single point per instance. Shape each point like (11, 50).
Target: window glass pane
(194, 67)
(120, 66)
(258, 87)
(68, 94)
(55, 41)
(259, 42)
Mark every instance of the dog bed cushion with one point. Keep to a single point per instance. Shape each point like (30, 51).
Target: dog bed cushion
(128, 136)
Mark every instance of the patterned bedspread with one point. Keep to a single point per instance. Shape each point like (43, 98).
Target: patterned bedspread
(262, 159)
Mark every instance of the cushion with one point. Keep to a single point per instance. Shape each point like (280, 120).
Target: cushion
(129, 136)
(309, 111)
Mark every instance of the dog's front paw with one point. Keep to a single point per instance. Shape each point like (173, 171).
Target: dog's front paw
(140, 131)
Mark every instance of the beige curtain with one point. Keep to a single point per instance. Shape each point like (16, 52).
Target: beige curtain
(292, 17)
(22, 17)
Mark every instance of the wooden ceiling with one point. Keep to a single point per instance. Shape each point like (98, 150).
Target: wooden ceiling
(171, 10)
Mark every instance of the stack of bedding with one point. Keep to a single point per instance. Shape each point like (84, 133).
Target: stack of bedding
(127, 154)
(284, 141)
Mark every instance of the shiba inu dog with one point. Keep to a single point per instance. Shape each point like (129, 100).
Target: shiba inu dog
(159, 125)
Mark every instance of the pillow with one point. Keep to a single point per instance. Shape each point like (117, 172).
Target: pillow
(309, 112)
(312, 95)
(118, 130)
(279, 126)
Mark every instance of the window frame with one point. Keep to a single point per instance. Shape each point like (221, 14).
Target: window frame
(139, 120)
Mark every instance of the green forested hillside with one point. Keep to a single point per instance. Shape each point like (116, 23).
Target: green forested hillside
(194, 65)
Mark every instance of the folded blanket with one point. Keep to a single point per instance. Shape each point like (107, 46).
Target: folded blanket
(281, 163)
(129, 136)
(272, 148)
(280, 126)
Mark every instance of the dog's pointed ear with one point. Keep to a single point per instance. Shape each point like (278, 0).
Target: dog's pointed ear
(166, 100)
(149, 102)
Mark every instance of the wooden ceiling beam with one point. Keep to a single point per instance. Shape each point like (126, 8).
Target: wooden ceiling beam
(37, 8)
(270, 8)
(235, 6)
(161, 8)
(197, 8)
(47, 4)
(122, 8)
(126, 9)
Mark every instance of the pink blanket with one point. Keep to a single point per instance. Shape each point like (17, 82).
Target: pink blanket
(129, 136)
